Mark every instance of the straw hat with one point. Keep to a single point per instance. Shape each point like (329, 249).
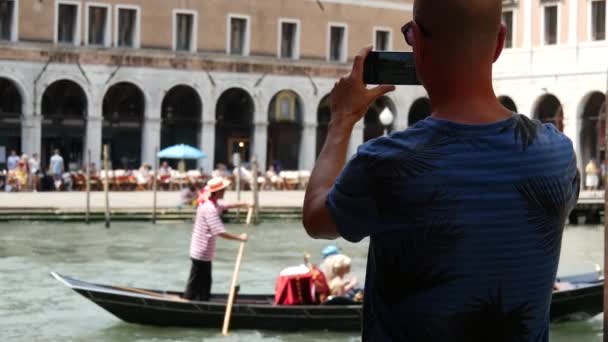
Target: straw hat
(216, 184)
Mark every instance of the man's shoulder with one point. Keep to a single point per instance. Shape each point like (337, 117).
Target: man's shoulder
(397, 142)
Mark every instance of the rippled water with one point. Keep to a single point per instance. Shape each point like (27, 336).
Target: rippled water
(35, 307)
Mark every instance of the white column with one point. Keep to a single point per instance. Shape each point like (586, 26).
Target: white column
(356, 139)
(150, 139)
(31, 134)
(572, 127)
(527, 6)
(93, 139)
(207, 144)
(260, 142)
(308, 146)
(573, 10)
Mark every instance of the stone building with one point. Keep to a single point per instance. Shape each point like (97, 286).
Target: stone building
(253, 76)
(226, 76)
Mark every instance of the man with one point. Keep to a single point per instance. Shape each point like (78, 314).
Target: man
(207, 227)
(12, 161)
(57, 168)
(34, 168)
(465, 210)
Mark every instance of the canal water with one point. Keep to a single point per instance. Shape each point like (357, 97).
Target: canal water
(35, 307)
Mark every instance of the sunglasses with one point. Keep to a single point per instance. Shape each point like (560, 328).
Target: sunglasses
(408, 32)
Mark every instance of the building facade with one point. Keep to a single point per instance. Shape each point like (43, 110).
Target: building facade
(227, 76)
(253, 77)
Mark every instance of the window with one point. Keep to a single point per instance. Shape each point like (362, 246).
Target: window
(598, 20)
(7, 20)
(127, 31)
(67, 23)
(289, 39)
(184, 29)
(382, 40)
(507, 20)
(337, 43)
(550, 24)
(238, 29)
(98, 25)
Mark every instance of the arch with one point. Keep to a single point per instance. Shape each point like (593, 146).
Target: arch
(64, 111)
(284, 130)
(549, 109)
(508, 103)
(593, 128)
(11, 105)
(323, 118)
(420, 109)
(234, 125)
(181, 115)
(372, 126)
(123, 110)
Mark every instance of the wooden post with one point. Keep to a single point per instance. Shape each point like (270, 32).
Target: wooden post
(88, 186)
(106, 185)
(154, 186)
(604, 116)
(254, 188)
(237, 164)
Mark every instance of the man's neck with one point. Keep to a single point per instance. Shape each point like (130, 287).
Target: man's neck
(470, 102)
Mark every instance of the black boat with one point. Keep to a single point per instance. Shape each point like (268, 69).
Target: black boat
(163, 308)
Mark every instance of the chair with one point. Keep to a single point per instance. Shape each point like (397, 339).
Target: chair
(290, 179)
(80, 181)
(304, 176)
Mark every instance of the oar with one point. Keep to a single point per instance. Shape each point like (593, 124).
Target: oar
(235, 275)
(150, 293)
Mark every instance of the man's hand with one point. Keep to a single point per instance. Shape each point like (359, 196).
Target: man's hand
(243, 237)
(350, 98)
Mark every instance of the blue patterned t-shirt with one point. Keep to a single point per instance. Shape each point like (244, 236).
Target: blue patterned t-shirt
(465, 225)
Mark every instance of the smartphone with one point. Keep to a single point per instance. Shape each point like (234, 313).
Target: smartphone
(384, 67)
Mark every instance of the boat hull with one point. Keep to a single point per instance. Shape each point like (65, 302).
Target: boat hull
(159, 308)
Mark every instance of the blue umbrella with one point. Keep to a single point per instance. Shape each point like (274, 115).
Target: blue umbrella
(182, 152)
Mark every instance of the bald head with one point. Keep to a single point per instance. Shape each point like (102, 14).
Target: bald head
(460, 28)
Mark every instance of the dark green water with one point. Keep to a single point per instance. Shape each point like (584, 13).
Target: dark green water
(35, 307)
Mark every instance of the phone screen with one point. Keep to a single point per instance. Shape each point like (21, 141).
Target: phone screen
(383, 67)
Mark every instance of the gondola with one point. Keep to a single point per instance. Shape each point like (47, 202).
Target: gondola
(166, 308)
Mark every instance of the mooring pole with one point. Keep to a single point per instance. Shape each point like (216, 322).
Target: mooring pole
(604, 116)
(88, 185)
(236, 158)
(254, 188)
(106, 185)
(154, 186)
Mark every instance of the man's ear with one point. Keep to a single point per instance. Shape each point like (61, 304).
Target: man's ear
(500, 44)
(419, 50)
(418, 42)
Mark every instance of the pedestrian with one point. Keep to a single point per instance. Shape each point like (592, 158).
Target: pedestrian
(592, 175)
(56, 169)
(207, 227)
(34, 166)
(12, 161)
(464, 210)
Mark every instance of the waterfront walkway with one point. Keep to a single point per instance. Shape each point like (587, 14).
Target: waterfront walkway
(71, 206)
(133, 206)
(169, 199)
(134, 200)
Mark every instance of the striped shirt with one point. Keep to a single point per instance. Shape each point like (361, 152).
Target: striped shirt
(207, 226)
(465, 225)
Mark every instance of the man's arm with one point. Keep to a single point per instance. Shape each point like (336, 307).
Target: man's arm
(350, 100)
(234, 237)
(237, 205)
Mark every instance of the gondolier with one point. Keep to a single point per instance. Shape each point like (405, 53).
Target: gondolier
(207, 227)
